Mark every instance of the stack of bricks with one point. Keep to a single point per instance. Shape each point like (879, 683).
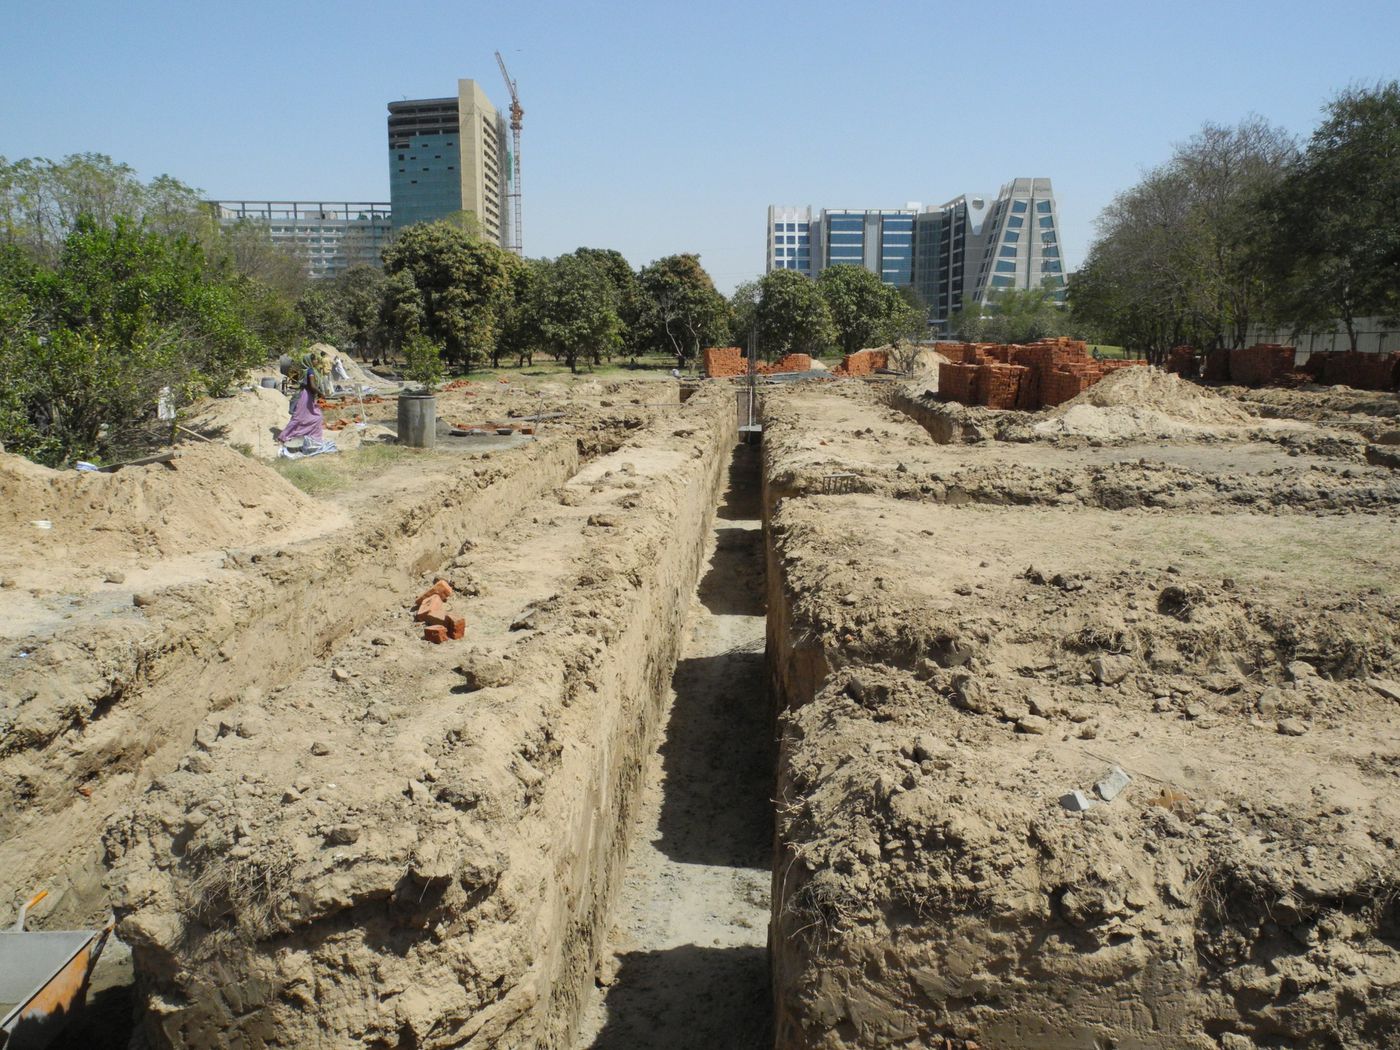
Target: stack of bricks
(431, 611)
(1039, 374)
(723, 362)
(862, 363)
(1261, 364)
(1183, 361)
(726, 362)
(1362, 371)
(787, 363)
(1217, 366)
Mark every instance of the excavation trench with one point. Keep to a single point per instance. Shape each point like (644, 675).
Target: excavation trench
(424, 848)
(686, 963)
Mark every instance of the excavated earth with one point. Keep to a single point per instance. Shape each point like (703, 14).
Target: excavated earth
(415, 845)
(1075, 729)
(962, 635)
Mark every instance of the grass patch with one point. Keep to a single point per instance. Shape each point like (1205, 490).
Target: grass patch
(335, 472)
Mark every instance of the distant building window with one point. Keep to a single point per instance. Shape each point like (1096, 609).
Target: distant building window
(1001, 282)
(1008, 252)
(1012, 238)
(1050, 267)
(1018, 207)
(1003, 266)
(1047, 238)
(1047, 222)
(1043, 207)
(400, 156)
(1015, 222)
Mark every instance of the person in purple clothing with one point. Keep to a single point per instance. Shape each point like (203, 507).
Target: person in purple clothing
(306, 421)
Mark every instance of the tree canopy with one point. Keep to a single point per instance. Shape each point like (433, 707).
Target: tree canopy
(792, 315)
(681, 311)
(864, 310)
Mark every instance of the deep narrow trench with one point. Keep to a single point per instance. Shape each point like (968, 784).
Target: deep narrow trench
(687, 964)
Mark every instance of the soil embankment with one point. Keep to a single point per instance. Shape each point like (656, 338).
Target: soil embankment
(100, 704)
(952, 671)
(420, 845)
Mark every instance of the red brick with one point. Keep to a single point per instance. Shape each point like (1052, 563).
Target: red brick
(431, 609)
(456, 627)
(435, 633)
(441, 588)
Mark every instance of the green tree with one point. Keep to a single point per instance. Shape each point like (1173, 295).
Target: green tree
(864, 310)
(681, 312)
(743, 314)
(360, 293)
(1013, 315)
(1333, 244)
(792, 315)
(1174, 260)
(627, 292)
(449, 286)
(88, 344)
(574, 312)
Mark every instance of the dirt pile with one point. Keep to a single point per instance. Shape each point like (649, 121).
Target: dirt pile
(213, 497)
(1143, 402)
(917, 360)
(249, 420)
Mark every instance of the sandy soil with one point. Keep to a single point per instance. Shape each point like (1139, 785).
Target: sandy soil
(687, 963)
(954, 668)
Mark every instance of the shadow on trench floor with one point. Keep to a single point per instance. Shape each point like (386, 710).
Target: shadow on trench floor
(689, 998)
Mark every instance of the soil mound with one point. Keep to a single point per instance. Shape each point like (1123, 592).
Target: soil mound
(917, 359)
(1159, 391)
(250, 418)
(1143, 402)
(214, 497)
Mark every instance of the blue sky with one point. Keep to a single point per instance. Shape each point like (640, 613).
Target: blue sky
(671, 126)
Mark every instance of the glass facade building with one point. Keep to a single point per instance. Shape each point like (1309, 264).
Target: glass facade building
(968, 248)
(449, 155)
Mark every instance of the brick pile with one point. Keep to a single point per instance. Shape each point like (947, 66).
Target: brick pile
(1362, 371)
(787, 363)
(862, 363)
(1030, 377)
(1260, 364)
(726, 362)
(1217, 366)
(431, 611)
(723, 362)
(1183, 361)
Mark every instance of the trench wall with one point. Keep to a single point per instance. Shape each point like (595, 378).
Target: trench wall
(930, 889)
(85, 742)
(471, 909)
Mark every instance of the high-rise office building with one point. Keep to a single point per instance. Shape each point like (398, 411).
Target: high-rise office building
(965, 249)
(449, 155)
(329, 236)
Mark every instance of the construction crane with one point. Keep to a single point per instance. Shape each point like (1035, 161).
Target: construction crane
(517, 244)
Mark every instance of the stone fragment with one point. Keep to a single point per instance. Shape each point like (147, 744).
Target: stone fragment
(340, 674)
(1388, 689)
(320, 747)
(970, 694)
(1301, 669)
(484, 671)
(1076, 801)
(1111, 786)
(1292, 727)
(343, 834)
(1110, 670)
(114, 577)
(1033, 724)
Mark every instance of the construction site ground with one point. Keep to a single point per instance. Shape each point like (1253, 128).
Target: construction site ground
(747, 744)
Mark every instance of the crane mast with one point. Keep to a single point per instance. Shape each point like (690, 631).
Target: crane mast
(517, 244)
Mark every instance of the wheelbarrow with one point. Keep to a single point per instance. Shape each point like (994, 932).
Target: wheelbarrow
(44, 977)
